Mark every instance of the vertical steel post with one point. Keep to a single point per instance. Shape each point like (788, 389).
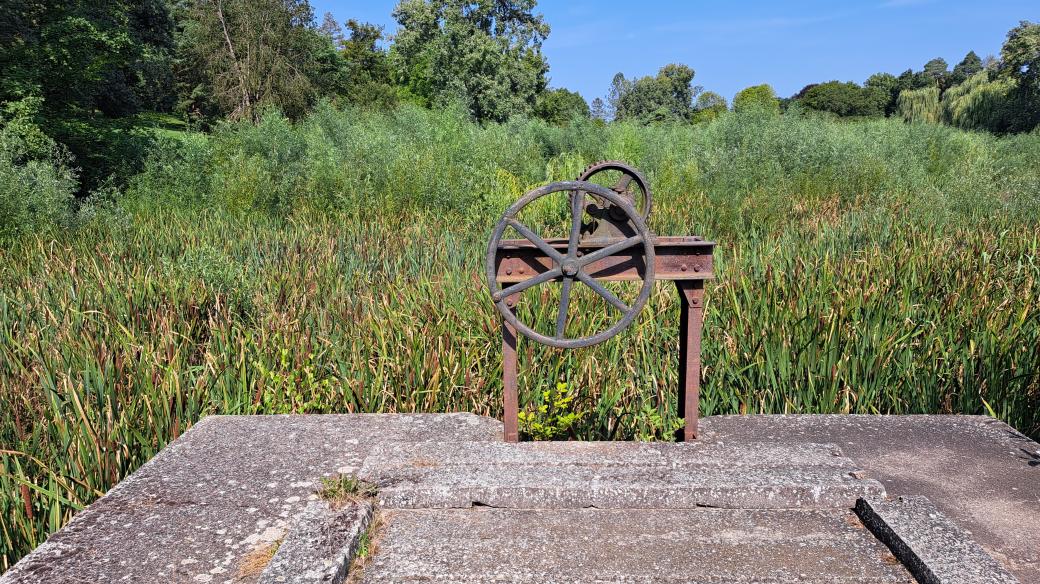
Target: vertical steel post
(510, 392)
(691, 319)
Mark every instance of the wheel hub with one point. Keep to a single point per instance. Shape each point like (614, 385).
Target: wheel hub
(569, 266)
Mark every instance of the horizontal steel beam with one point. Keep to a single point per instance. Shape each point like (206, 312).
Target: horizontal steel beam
(677, 258)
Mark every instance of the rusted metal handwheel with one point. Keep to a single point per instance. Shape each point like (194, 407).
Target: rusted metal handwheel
(572, 265)
(632, 185)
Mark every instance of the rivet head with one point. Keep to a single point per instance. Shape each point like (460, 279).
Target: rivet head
(521, 270)
(509, 271)
(696, 268)
(683, 267)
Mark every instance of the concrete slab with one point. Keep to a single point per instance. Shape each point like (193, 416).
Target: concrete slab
(625, 546)
(614, 475)
(977, 471)
(220, 496)
(320, 545)
(226, 493)
(931, 546)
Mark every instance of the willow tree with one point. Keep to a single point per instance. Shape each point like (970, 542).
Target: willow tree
(920, 105)
(978, 103)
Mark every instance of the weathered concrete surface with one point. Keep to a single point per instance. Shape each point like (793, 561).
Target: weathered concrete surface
(223, 492)
(320, 544)
(228, 490)
(976, 470)
(615, 475)
(931, 546)
(628, 546)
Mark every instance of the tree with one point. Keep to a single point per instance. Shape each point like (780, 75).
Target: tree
(619, 86)
(709, 106)
(368, 80)
(914, 80)
(331, 29)
(668, 96)
(484, 54)
(1020, 62)
(979, 104)
(240, 57)
(757, 98)
(599, 110)
(938, 72)
(845, 99)
(85, 67)
(968, 67)
(920, 105)
(559, 106)
(887, 85)
(86, 57)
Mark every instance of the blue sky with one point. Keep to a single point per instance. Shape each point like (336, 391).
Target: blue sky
(732, 45)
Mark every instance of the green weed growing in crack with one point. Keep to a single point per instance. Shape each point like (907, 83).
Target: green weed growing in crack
(340, 490)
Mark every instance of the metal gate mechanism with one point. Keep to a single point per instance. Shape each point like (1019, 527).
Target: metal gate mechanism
(609, 241)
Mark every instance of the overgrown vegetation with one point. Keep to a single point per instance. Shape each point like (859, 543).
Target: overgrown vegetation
(334, 266)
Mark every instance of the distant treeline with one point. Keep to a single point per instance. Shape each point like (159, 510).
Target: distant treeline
(75, 76)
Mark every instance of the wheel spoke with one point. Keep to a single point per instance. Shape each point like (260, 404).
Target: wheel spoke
(565, 298)
(537, 241)
(521, 286)
(610, 250)
(577, 212)
(622, 185)
(606, 294)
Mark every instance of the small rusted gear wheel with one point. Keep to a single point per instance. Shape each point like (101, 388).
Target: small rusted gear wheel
(632, 185)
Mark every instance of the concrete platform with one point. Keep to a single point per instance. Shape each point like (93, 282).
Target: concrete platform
(596, 546)
(219, 503)
(976, 470)
(222, 496)
(615, 475)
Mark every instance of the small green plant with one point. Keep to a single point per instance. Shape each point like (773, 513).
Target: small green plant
(651, 425)
(553, 417)
(342, 489)
(288, 387)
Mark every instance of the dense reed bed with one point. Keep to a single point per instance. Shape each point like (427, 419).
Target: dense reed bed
(334, 266)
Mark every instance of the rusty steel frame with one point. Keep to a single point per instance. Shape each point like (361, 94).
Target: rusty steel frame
(685, 260)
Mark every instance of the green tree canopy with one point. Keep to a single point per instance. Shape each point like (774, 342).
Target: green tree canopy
(888, 85)
(1020, 62)
(559, 106)
(968, 67)
(709, 106)
(936, 69)
(757, 97)
(668, 96)
(845, 99)
(598, 110)
(239, 57)
(84, 57)
(485, 54)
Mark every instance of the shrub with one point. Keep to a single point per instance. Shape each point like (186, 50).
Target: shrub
(37, 186)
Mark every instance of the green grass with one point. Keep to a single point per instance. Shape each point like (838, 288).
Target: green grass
(335, 266)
